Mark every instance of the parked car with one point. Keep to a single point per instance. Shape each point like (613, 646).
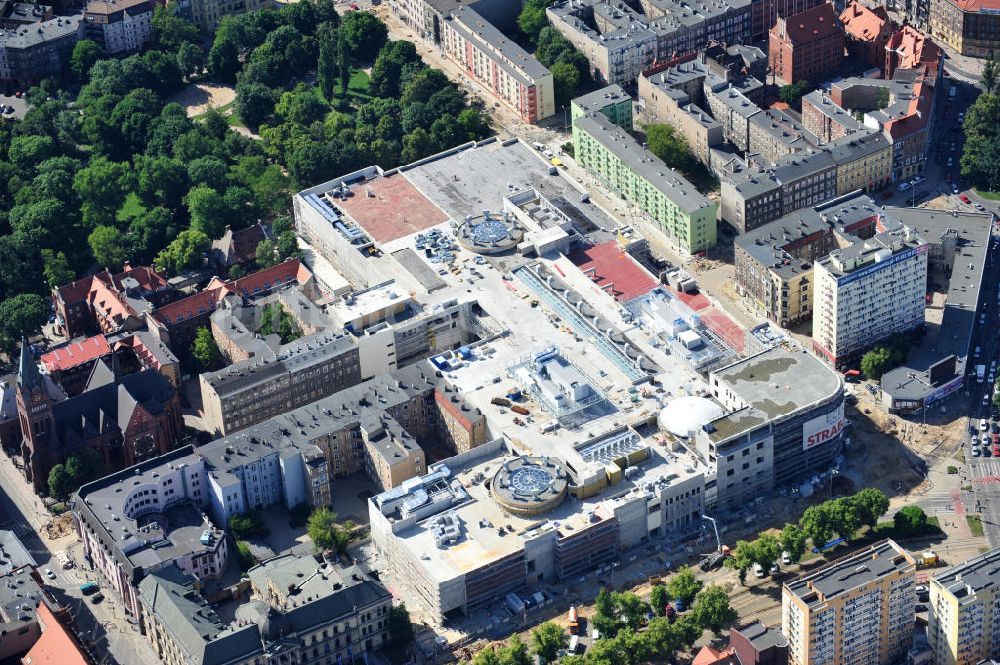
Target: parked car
(49, 574)
(96, 598)
(786, 557)
(964, 199)
(758, 571)
(975, 452)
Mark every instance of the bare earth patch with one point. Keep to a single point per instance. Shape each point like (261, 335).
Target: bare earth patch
(197, 98)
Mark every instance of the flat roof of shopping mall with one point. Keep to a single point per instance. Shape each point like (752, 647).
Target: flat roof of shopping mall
(395, 208)
(613, 270)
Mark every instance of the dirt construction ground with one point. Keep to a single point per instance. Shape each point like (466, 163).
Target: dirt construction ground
(196, 99)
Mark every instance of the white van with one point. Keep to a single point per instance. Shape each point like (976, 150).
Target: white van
(758, 570)
(983, 425)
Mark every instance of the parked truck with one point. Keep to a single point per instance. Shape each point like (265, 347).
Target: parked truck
(980, 373)
(927, 559)
(574, 621)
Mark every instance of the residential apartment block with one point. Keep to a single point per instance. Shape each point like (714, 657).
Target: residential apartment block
(764, 14)
(867, 292)
(774, 262)
(963, 625)
(679, 210)
(120, 26)
(858, 610)
(320, 614)
(490, 58)
(207, 14)
(867, 32)
(825, 119)
(38, 50)
(971, 27)
(754, 194)
(610, 100)
(675, 97)
(807, 46)
(621, 42)
(376, 428)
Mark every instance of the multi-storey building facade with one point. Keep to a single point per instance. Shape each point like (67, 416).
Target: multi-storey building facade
(867, 32)
(253, 390)
(774, 263)
(764, 13)
(610, 100)
(621, 42)
(857, 610)
(491, 59)
(971, 27)
(336, 615)
(682, 213)
(867, 292)
(964, 612)
(806, 46)
(675, 97)
(30, 53)
(120, 26)
(207, 14)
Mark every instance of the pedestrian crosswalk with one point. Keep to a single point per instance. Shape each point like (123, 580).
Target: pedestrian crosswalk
(986, 468)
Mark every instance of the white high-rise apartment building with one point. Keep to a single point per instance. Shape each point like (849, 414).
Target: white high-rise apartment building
(868, 291)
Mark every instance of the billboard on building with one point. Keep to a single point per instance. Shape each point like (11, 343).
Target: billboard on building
(824, 428)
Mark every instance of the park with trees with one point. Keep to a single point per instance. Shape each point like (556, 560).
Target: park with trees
(104, 169)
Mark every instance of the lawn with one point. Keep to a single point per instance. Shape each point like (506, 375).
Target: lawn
(131, 208)
(975, 524)
(992, 196)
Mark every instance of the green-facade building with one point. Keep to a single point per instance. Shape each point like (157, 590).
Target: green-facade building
(681, 212)
(612, 101)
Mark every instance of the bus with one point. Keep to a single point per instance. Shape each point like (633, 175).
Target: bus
(88, 588)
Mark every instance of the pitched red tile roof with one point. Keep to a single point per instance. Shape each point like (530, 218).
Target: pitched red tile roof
(812, 24)
(863, 23)
(914, 49)
(76, 354)
(55, 646)
(712, 656)
(212, 295)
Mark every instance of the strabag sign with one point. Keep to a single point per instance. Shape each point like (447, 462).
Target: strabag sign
(821, 429)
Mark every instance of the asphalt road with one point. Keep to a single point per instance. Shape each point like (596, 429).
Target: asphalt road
(103, 627)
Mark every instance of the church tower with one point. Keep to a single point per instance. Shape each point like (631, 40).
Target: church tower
(34, 408)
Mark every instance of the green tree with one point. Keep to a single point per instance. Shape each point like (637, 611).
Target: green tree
(255, 103)
(793, 541)
(767, 549)
(171, 32)
(265, 254)
(325, 533)
(22, 314)
(190, 59)
(208, 211)
(364, 34)
(565, 81)
(204, 350)
(547, 640)
(245, 525)
(658, 599)
(326, 67)
(301, 106)
(343, 61)
(185, 251)
(487, 656)
(981, 153)
(910, 520)
(711, 608)
(57, 270)
(875, 363)
(245, 556)
(989, 77)
(27, 152)
(515, 652)
(631, 609)
(817, 524)
(223, 59)
(107, 247)
(792, 93)
(532, 19)
(844, 517)
(60, 483)
(387, 72)
(684, 586)
(664, 142)
(743, 556)
(400, 627)
(102, 186)
(871, 504)
(85, 54)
